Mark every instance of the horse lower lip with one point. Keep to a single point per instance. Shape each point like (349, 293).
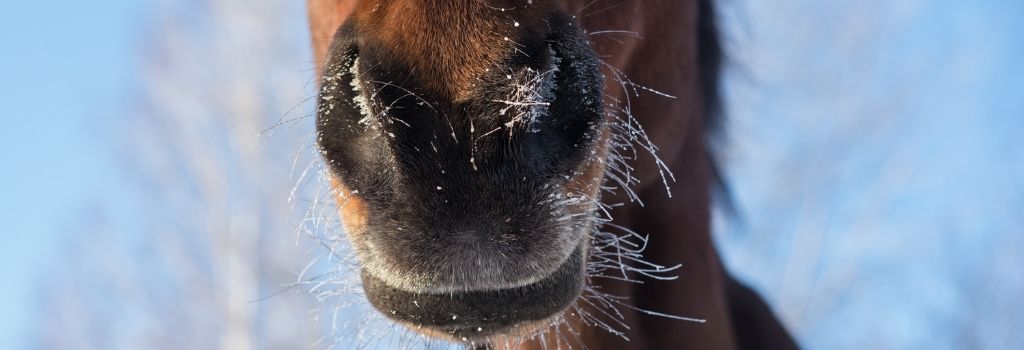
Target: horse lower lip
(481, 314)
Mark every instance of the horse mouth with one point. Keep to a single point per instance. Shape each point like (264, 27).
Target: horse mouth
(475, 316)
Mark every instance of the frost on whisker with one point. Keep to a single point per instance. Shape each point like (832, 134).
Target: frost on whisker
(531, 95)
(332, 276)
(628, 134)
(616, 251)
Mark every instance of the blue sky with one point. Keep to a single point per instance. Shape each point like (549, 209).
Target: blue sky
(874, 150)
(875, 153)
(66, 69)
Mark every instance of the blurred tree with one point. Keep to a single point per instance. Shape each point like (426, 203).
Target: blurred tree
(213, 244)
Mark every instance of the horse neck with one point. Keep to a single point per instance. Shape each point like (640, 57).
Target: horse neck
(666, 59)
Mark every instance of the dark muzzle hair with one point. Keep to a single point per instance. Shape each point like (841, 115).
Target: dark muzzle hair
(468, 203)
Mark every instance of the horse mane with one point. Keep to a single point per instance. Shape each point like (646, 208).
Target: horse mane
(711, 56)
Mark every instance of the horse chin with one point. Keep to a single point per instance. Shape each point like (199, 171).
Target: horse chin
(479, 316)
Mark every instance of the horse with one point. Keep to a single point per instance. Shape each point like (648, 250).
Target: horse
(495, 161)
